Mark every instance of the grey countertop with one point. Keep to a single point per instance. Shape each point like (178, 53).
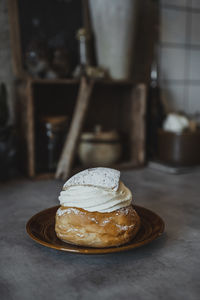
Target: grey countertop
(168, 268)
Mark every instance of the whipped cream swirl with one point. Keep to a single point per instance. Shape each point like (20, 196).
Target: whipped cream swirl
(94, 198)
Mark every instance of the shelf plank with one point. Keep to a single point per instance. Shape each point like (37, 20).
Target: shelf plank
(55, 81)
(115, 82)
(74, 81)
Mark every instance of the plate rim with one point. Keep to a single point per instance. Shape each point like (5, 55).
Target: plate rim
(96, 251)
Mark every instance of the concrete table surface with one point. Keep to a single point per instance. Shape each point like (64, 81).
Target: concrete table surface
(168, 268)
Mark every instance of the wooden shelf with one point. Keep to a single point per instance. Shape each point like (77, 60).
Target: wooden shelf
(114, 104)
(77, 81)
(115, 82)
(55, 81)
(113, 108)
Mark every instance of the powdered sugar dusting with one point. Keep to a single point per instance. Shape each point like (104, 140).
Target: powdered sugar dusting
(124, 227)
(106, 221)
(125, 210)
(61, 212)
(100, 177)
(68, 210)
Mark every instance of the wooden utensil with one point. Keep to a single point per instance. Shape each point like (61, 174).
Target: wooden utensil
(68, 153)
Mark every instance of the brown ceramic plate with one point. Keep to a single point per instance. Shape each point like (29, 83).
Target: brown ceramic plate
(41, 229)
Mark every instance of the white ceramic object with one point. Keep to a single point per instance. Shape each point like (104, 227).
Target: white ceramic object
(114, 28)
(175, 123)
(99, 148)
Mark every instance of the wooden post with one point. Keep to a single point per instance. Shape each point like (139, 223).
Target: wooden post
(68, 153)
(138, 124)
(15, 39)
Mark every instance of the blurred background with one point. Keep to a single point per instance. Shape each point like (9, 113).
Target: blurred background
(138, 105)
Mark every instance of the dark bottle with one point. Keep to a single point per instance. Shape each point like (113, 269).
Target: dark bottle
(3, 106)
(8, 140)
(155, 110)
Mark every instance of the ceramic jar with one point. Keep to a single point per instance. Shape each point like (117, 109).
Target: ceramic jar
(53, 130)
(179, 149)
(99, 148)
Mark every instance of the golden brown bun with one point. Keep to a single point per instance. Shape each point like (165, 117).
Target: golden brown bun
(95, 229)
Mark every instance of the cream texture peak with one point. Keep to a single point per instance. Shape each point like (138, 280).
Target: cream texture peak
(97, 189)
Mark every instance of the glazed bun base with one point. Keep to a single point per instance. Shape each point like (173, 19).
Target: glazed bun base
(95, 229)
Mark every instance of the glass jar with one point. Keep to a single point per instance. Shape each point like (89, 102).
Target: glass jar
(53, 130)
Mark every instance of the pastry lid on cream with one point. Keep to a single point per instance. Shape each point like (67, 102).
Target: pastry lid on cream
(98, 177)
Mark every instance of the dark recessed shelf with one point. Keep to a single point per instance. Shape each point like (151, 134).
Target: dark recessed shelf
(114, 104)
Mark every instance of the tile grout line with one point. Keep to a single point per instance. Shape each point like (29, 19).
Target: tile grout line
(173, 45)
(169, 81)
(187, 46)
(181, 8)
(182, 81)
(187, 59)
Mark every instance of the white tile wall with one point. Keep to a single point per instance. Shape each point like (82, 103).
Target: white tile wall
(174, 2)
(195, 3)
(172, 64)
(173, 96)
(194, 99)
(195, 29)
(180, 54)
(194, 65)
(173, 24)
